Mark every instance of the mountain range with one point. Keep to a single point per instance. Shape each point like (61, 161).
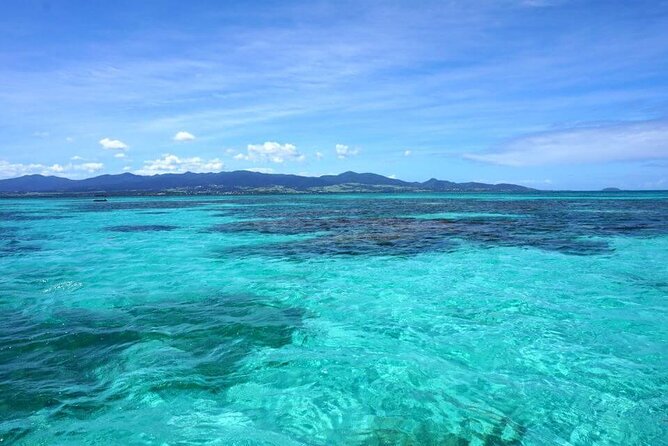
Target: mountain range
(241, 181)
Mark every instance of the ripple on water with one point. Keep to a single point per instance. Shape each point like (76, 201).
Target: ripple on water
(420, 331)
(76, 362)
(140, 228)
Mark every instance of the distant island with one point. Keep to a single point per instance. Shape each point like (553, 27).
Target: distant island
(611, 189)
(236, 182)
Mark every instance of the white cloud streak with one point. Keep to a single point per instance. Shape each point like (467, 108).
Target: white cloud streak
(260, 169)
(586, 145)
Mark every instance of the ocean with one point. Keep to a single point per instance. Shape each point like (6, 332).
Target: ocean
(370, 319)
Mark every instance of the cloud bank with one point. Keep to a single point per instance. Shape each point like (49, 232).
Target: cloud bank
(260, 169)
(12, 170)
(169, 163)
(583, 145)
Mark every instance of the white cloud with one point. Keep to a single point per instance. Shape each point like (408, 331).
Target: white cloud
(343, 151)
(261, 169)
(88, 167)
(55, 168)
(11, 170)
(183, 136)
(113, 144)
(76, 158)
(173, 164)
(271, 151)
(120, 155)
(408, 152)
(42, 134)
(584, 145)
(69, 139)
(319, 155)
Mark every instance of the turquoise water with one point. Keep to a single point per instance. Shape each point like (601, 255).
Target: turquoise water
(436, 319)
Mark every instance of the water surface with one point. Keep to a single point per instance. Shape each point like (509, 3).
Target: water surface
(433, 319)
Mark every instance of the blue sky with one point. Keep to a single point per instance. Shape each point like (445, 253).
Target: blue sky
(549, 94)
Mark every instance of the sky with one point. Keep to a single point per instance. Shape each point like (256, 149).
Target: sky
(545, 93)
